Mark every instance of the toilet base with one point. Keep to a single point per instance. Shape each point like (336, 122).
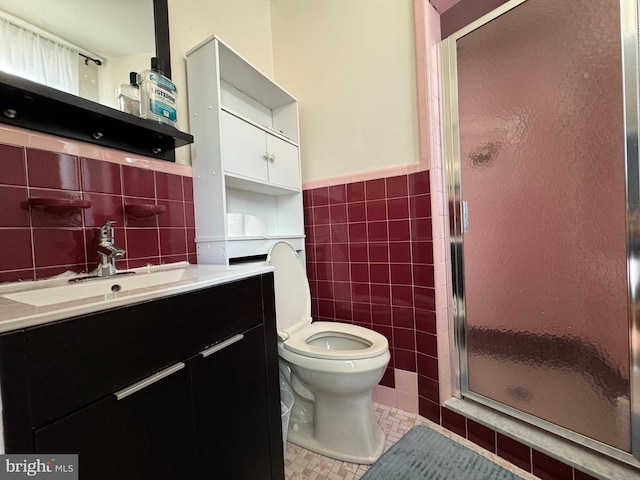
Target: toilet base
(303, 437)
(348, 431)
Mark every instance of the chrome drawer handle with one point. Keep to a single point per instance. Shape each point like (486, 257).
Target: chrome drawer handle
(131, 389)
(222, 345)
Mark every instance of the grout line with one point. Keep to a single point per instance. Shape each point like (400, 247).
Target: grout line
(302, 464)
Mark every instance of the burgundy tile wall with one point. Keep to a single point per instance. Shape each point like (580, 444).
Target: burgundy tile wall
(481, 435)
(548, 468)
(366, 264)
(370, 262)
(514, 451)
(35, 243)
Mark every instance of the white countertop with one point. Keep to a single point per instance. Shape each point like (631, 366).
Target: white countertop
(17, 314)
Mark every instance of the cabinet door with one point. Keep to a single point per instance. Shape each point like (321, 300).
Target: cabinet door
(73, 363)
(243, 148)
(283, 162)
(231, 409)
(145, 435)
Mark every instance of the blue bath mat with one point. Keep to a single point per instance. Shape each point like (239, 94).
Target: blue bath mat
(423, 453)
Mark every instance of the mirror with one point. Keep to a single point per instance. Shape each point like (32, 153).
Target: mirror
(113, 37)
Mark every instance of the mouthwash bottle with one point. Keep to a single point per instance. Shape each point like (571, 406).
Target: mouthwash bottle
(158, 95)
(129, 96)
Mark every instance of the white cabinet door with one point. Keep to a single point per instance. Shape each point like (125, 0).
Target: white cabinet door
(250, 152)
(283, 162)
(243, 148)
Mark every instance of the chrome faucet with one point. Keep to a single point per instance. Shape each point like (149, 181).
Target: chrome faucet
(108, 253)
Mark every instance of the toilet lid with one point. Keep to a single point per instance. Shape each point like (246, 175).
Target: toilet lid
(293, 298)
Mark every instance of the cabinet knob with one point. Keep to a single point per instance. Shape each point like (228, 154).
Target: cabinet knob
(272, 158)
(265, 155)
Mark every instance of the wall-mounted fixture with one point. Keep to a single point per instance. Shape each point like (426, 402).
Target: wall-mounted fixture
(37, 107)
(59, 206)
(143, 211)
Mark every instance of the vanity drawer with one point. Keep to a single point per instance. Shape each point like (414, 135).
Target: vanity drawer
(98, 354)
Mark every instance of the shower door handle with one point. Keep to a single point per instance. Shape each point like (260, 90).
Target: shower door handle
(465, 217)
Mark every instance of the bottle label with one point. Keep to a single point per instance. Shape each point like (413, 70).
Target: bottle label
(163, 82)
(129, 105)
(162, 102)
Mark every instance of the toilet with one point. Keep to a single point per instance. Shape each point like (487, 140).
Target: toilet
(331, 368)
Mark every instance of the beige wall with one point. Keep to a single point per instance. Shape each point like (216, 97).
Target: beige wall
(115, 72)
(350, 63)
(352, 66)
(243, 24)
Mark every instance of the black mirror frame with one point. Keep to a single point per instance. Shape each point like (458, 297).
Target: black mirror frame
(161, 25)
(41, 108)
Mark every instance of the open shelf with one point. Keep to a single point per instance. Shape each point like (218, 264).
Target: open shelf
(251, 246)
(37, 107)
(252, 185)
(144, 211)
(59, 206)
(265, 128)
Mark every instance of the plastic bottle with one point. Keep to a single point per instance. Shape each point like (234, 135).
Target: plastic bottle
(129, 96)
(158, 95)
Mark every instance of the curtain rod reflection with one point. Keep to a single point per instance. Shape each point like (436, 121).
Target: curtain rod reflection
(18, 22)
(88, 59)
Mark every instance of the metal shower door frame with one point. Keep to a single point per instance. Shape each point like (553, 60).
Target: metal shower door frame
(629, 23)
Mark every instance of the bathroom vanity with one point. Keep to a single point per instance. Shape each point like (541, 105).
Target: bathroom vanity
(172, 381)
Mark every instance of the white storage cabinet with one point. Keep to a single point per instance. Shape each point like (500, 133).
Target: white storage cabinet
(246, 157)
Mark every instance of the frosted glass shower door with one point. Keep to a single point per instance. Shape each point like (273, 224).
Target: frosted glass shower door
(542, 170)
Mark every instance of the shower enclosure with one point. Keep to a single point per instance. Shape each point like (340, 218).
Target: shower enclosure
(540, 110)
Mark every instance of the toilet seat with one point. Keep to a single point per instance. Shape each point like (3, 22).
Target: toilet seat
(373, 344)
(293, 316)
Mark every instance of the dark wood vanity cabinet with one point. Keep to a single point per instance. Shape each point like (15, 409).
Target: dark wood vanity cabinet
(185, 387)
(237, 398)
(148, 434)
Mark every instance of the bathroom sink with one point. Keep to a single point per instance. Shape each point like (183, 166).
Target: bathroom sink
(101, 287)
(25, 304)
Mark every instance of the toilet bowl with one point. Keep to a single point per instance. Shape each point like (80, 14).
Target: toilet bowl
(331, 368)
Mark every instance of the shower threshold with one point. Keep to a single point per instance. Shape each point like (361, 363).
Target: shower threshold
(612, 467)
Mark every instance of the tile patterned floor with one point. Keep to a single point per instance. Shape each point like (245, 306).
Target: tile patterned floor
(301, 464)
